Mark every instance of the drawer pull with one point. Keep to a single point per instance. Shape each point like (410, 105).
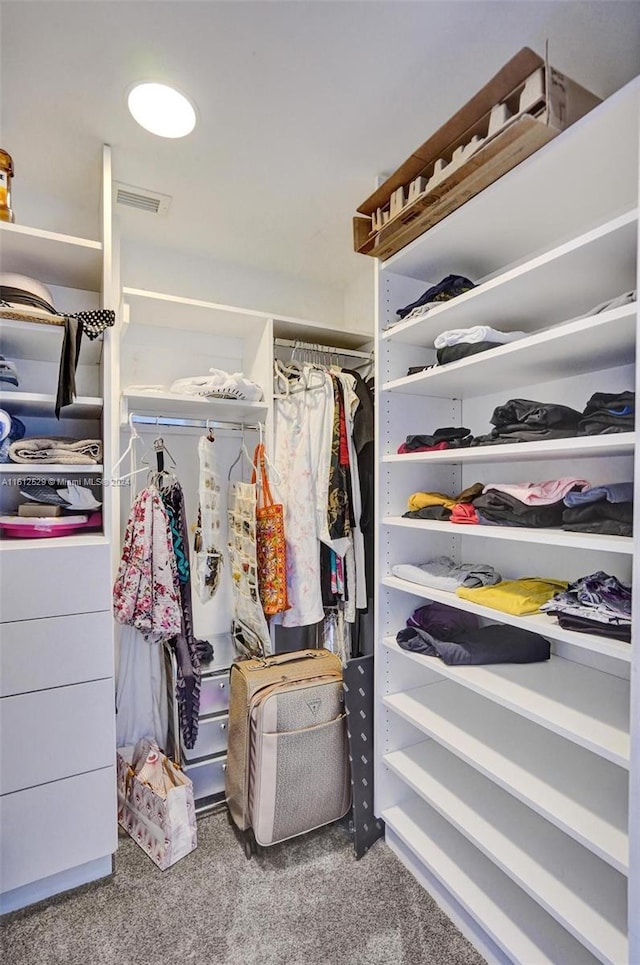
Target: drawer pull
(223, 726)
(222, 686)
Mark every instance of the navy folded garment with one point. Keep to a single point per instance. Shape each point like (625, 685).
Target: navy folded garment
(442, 620)
(617, 631)
(486, 645)
(448, 288)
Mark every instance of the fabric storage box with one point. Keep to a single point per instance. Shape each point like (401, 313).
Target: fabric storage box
(212, 738)
(163, 826)
(207, 777)
(525, 105)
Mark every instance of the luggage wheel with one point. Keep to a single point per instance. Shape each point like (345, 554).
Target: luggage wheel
(251, 846)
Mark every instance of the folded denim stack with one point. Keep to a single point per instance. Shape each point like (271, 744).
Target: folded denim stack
(442, 573)
(447, 437)
(518, 597)
(437, 505)
(608, 412)
(600, 509)
(526, 503)
(460, 343)
(598, 603)
(450, 287)
(524, 420)
(457, 638)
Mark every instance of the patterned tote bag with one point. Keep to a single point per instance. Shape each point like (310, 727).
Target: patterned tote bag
(270, 542)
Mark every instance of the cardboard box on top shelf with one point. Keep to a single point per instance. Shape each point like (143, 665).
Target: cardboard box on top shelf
(524, 106)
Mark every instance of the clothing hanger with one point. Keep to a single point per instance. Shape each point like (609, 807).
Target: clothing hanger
(133, 438)
(241, 455)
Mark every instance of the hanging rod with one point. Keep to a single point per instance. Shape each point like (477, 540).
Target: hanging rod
(152, 420)
(327, 349)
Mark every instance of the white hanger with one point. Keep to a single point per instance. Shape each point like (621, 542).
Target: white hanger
(133, 438)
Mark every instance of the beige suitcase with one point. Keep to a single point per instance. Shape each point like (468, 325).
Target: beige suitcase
(287, 764)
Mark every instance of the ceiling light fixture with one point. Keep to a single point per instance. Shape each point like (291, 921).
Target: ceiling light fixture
(162, 110)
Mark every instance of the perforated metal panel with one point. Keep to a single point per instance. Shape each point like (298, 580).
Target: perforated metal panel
(358, 700)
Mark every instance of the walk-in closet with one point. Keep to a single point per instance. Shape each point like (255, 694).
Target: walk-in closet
(317, 514)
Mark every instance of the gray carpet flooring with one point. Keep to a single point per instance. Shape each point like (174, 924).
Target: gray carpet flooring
(304, 902)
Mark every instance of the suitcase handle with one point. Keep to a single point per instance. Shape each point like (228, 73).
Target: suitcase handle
(276, 661)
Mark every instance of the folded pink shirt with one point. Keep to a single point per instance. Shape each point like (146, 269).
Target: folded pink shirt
(540, 494)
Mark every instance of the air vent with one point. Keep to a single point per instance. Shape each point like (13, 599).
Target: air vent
(141, 198)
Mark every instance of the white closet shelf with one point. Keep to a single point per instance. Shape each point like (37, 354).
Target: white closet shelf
(557, 353)
(41, 405)
(52, 258)
(54, 542)
(519, 212)
(188, 407)
(578, 447)
(579, 792)
(583, 705)
(518, 925)
(537, 622)
(42, 342)
(43, 469)
(584, 895)
(569, 279)
(521, 534)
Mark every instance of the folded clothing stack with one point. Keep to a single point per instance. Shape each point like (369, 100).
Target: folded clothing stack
(527, 503)
(450, 287)
(219, 384)
(600, 509)
(447, 437)
(524, 420)
(432, 505)
(67, 452)
(11, 430)
(608, 412)
(442, 573)
(597, 603)
(457, 638)
(518, 597)
(460, 343)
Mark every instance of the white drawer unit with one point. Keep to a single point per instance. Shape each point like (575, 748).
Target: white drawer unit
(60, 578)
(207, 777)
(49, 829)
(67, 731)
(212, 738)
(55, 652)
(214, 694)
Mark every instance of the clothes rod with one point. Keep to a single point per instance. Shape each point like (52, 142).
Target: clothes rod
(151, 420)
(328, 349)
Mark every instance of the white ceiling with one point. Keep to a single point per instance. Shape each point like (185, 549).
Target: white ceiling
(301, 104)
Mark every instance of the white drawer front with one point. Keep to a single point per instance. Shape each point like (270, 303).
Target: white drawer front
(207, 777)
(54, 734)
(55, 651)
(53, 581)
(214, 694)
(212, 738)
(48, 829)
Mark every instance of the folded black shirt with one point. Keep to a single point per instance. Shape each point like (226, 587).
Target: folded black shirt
(495, 643)
(448, 288)
(504, 509)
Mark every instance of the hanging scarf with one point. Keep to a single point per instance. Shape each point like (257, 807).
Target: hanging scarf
(185, 644)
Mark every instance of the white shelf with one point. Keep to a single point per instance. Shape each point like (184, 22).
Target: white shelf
(54, 542)
(579, 792)
(585, 895)
(578, 447)
(52, 258)
(520, 928)
(548, 197)
(41, 405)
(521, 534)
(537, 622)
(557, 353)
(189, 408)
(39, 470)
(42, 342)
(583, 705)
(569, 279)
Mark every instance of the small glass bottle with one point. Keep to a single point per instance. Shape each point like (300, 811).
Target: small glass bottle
(6, 173)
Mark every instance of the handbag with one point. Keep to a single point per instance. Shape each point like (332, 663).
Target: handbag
(155, 804)
(271, 550)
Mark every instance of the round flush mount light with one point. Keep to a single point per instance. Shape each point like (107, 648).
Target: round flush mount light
(161, 110)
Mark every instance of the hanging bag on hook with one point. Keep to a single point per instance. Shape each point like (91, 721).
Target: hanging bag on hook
(270, 542)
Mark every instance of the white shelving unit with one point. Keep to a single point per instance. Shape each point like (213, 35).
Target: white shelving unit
(512, 790)
(57, 786)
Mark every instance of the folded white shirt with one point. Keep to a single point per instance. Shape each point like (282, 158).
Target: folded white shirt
(479, 333)
(218, 383)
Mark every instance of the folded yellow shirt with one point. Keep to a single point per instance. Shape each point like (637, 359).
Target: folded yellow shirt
(517, 597)
(421, 500)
